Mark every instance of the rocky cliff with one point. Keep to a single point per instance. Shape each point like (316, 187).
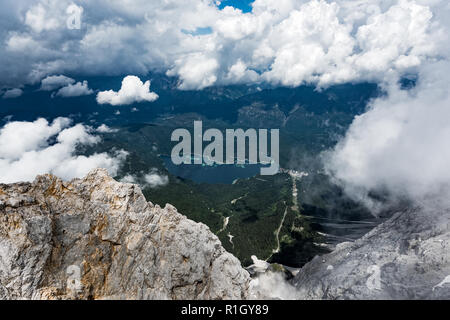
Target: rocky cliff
(406, 257)
(95, 238)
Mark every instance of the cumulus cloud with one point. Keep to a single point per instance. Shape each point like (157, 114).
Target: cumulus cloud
(132, 90)
(195, 71)
(288, 43)
(31, 148)
(12, 93)
(75, 90)
(51, 83)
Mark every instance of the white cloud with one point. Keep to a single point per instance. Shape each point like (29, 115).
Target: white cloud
(239, 72)
(105, 129)
(195, 71)
(12, 93)
(399, 148)
(18, 43)
(38, 20)
(129, 179)
(132, 90)
(31, 148)
(290, 43)
(51, 83)
(401, 145)
(272, 285)
(153, 179)
(17, 138)
(75, 90)
(397, 38)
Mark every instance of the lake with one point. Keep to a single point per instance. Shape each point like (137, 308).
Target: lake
(217, 173)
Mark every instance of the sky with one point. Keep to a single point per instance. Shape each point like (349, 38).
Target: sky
(243, 5)
(203, 44)
(400, 145)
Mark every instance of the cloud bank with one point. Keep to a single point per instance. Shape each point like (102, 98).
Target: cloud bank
(31, 148)
(132, 90)
(399, 148)
(401, 145)
(286, 42)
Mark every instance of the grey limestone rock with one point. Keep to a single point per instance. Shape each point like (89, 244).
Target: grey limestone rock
(406, 257)
(95, 238)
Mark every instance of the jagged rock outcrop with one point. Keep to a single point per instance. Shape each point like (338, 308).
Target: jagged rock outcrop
(95, 238)
(406, 257)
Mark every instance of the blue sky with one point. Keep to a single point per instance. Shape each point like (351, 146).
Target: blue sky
(198, 31)
(244, 5)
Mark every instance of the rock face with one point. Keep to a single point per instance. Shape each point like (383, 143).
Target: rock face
(407, 257)
(95, 238)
